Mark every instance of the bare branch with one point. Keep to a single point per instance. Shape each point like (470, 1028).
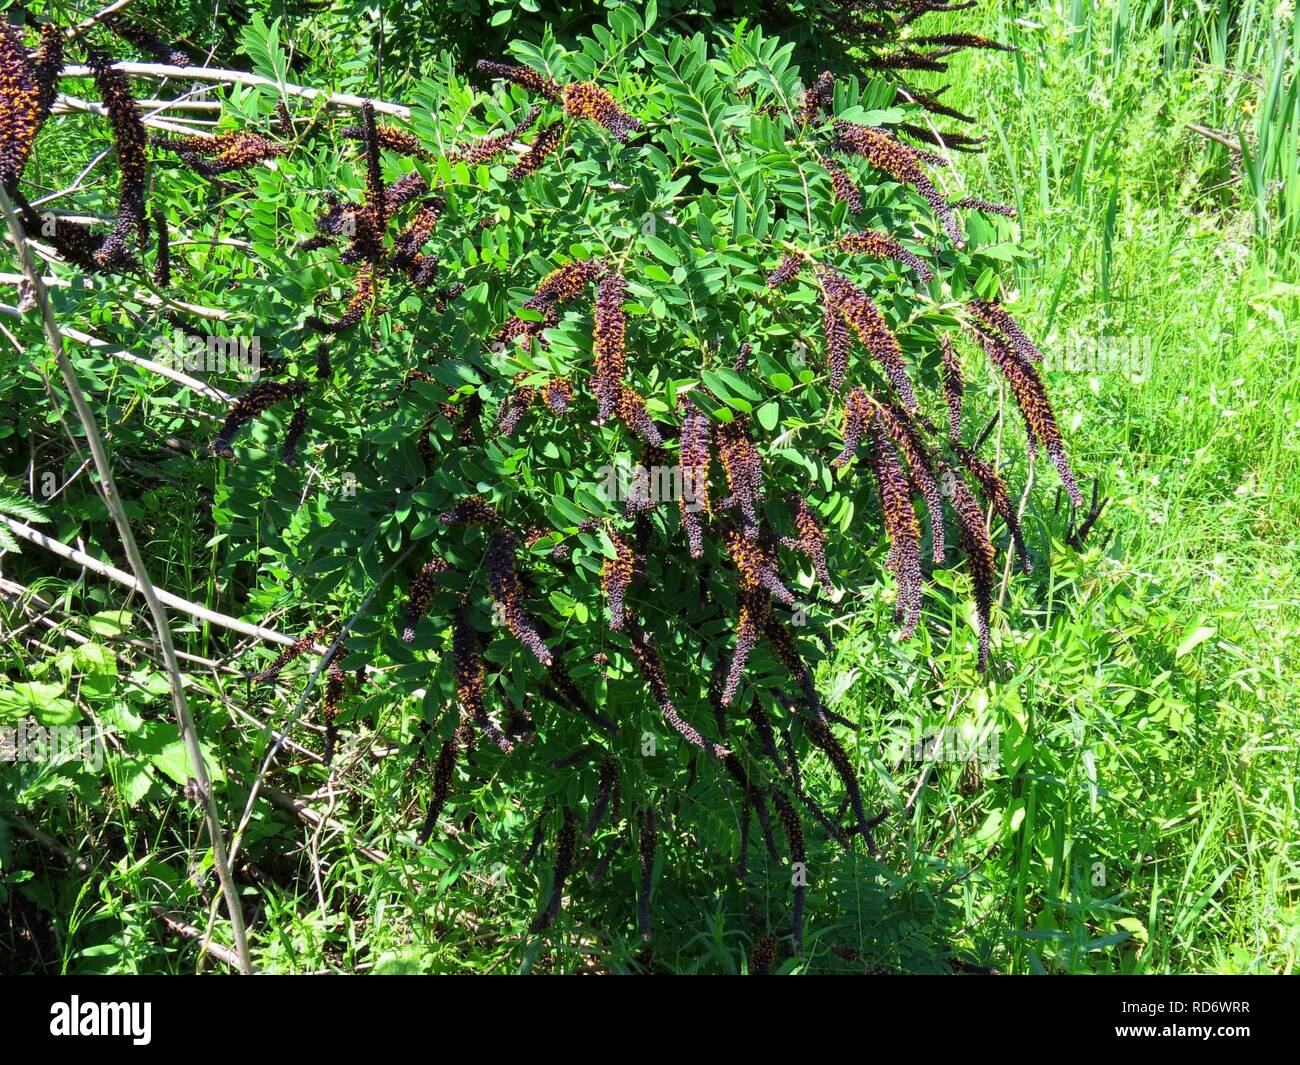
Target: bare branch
(67, 103)
(162, 630)
(240, 77)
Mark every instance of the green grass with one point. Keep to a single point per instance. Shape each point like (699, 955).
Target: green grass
(1173, 770)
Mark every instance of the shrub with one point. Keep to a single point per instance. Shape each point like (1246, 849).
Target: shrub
(746, 305)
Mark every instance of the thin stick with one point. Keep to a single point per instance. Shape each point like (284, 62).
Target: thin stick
(104, 569)
(304, 813)
(240, 77)
(113, 501)
(98, 16)
(66, 103)
(180, 104)
(185, 930)
(197, 310)
(85, 173)
(20, 592)
(194, 610)
(102, 347)
(202, 387)
(1233, 146)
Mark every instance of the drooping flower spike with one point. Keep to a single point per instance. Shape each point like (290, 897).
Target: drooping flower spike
(856, 308)
(931, 102)
(836, 333)
(762, 723)
(422, 587)
(227, 151)
(908, 59)
(467, 663)
(632, 412)
(507, 592)
(151, 44)
(47, 63)
(293, 436)
(954, 386)
(588, 100)
(398, 141)
(557, 394)
(744, 469)
(406, 254)
(331, 702)
(1027, 387)
(485, 149)
(129, 140)
(786, 270)
(407, 189)
(817, 730)
(793, 827)
(616, 578)
(523, 76)
(843, 188)
(971, 203)
(567, 282)
(609, 343)
(564, 692)
(901, 525)
(920, 470)
(560, 286)
(291, 652)
(376, 207)
(761, 956)
(783, 645)
(646, 658)
(20, 106)
(363, 298)
(755, 606)
(646, 489)
(755, 800)
(957, 142)
(858, 415)
(472, 510)
(962, 40)
(162, 264)
(565, 847)
(516, 405)
(261, 397)
(818, 99)
(757, 565)
(646, 845)
(994, 490)
(605, 785)
(880, 245)
(443, 772)
(981, 557)
(995, 318)
(545, 145)
(900, 162)
(693, 464)
(811, 538)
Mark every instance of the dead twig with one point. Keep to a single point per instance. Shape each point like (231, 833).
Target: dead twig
(162, 630)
